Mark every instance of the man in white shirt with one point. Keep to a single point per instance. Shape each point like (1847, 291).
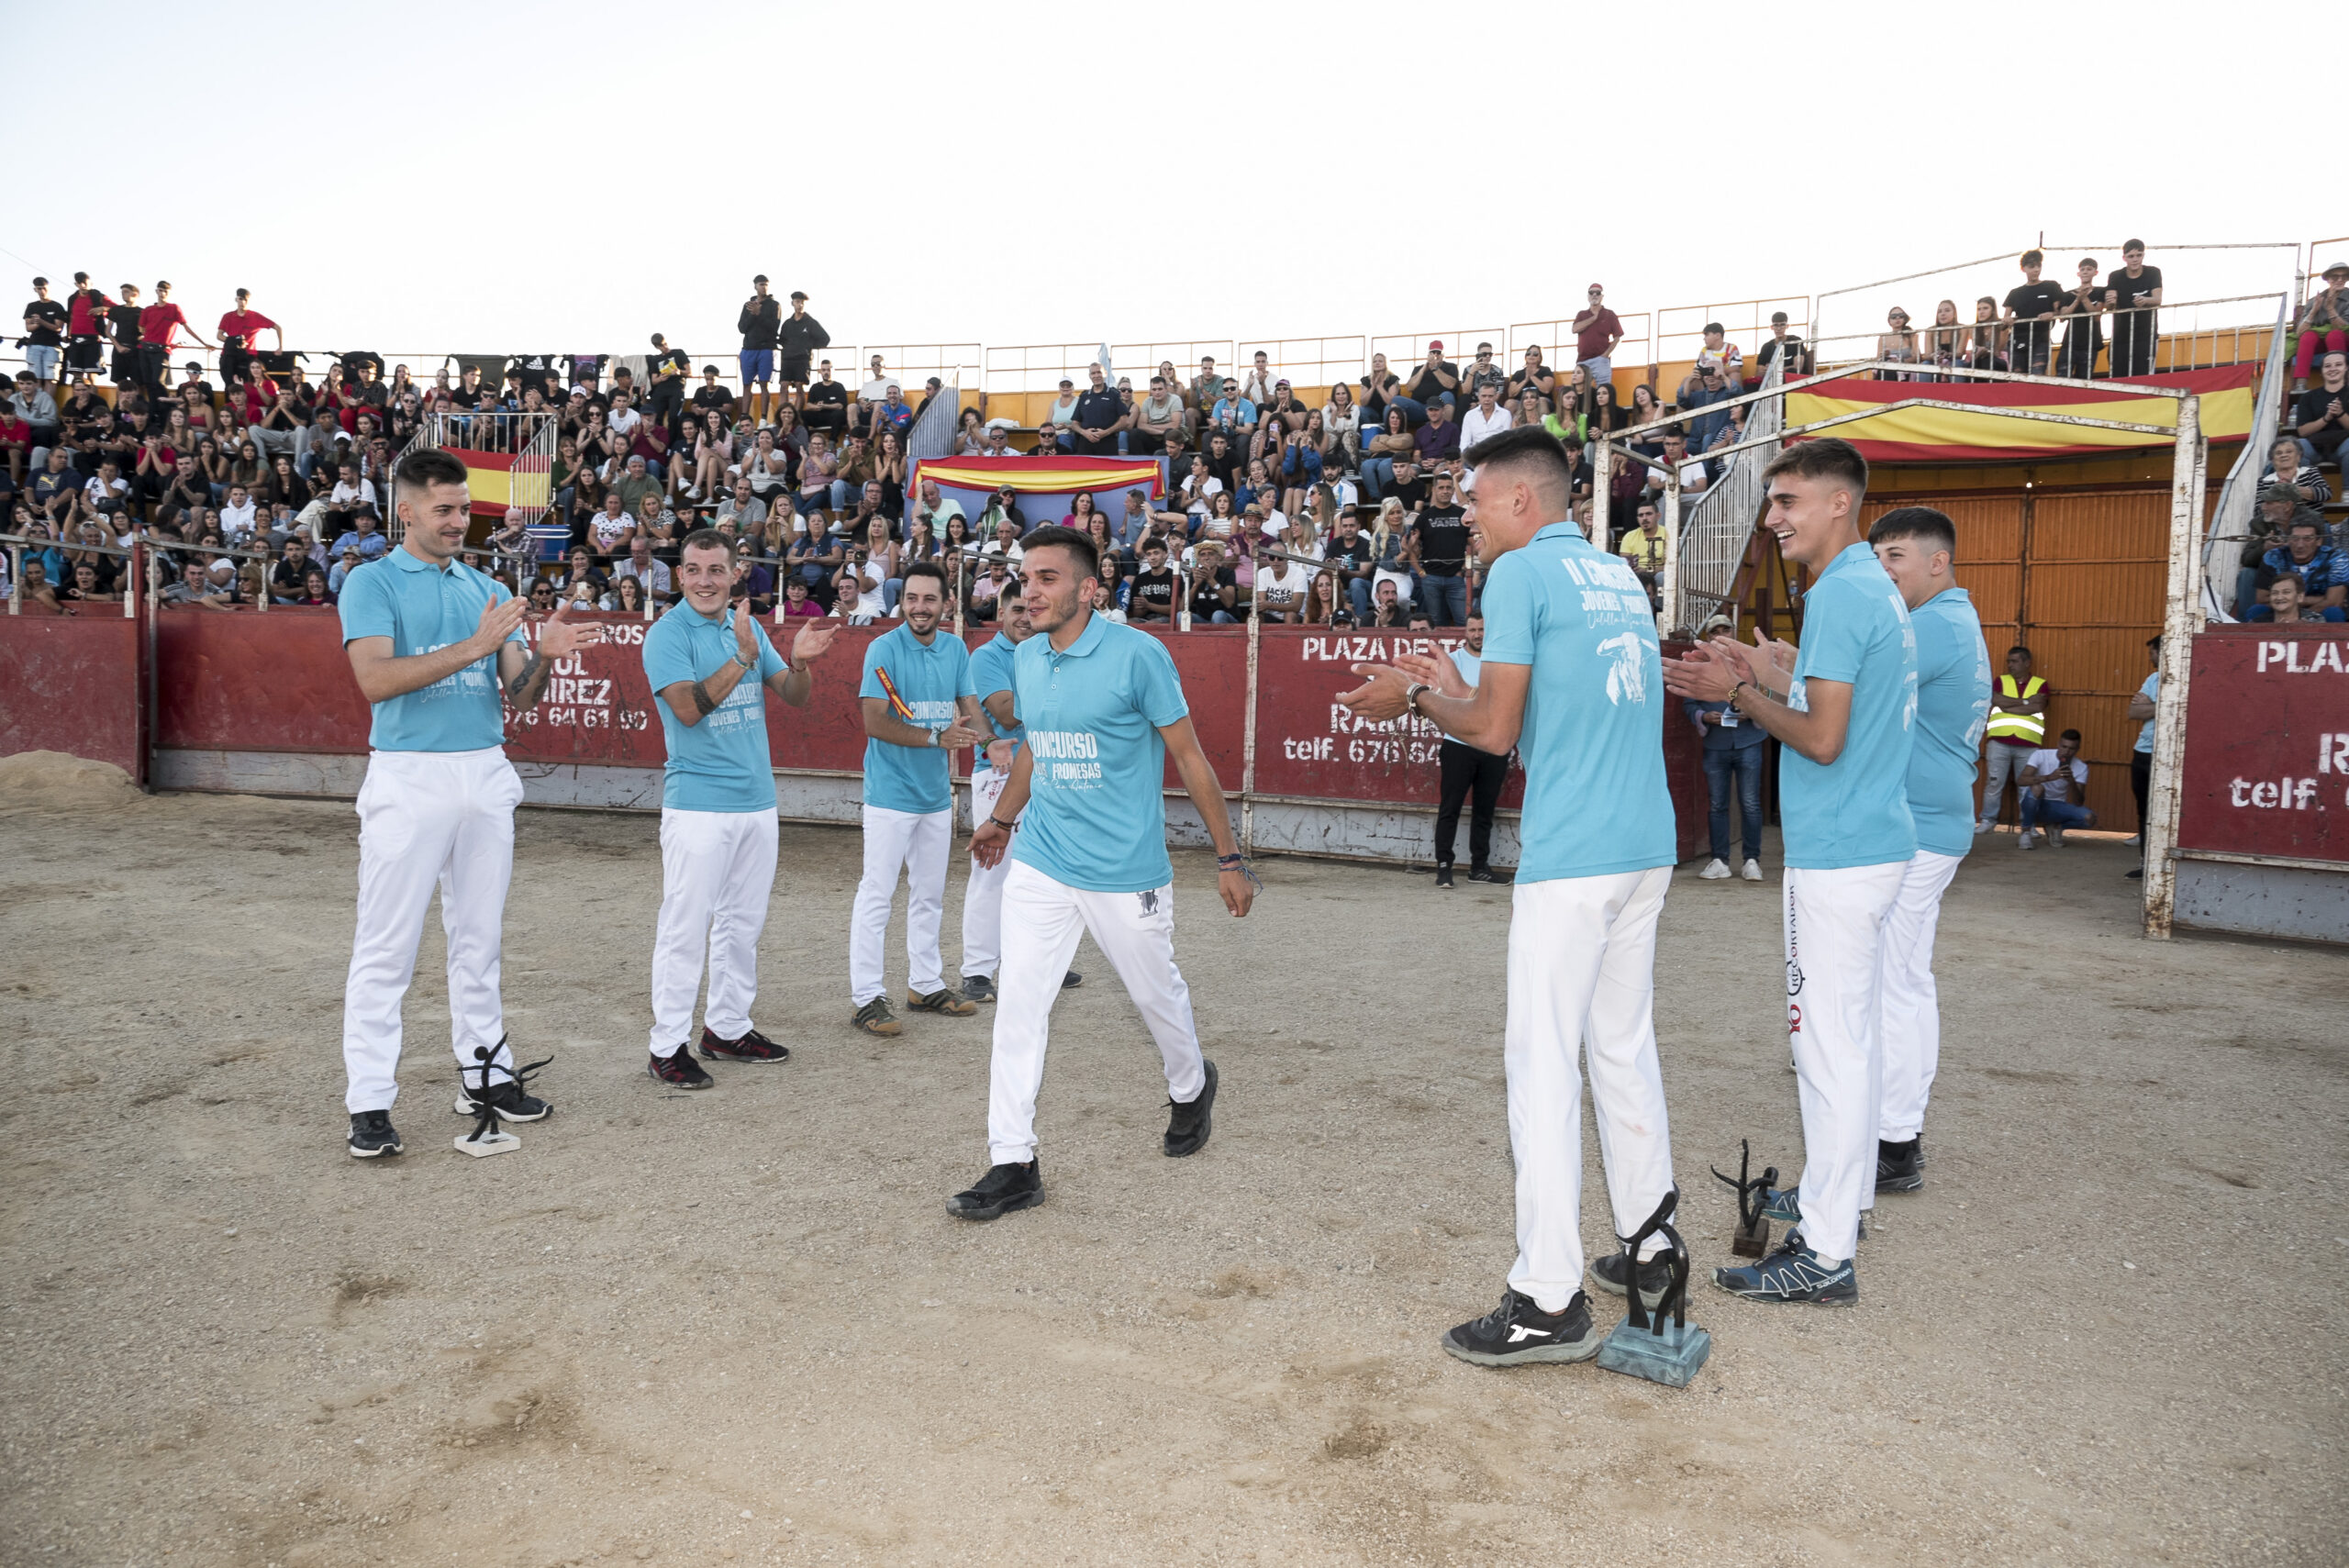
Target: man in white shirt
(874, 390)
(1280, 589)
(108, 485)
(2054, 783)
(623, 419)
(1486, 419)
(237, 519)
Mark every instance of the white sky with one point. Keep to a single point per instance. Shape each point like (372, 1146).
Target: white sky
(570, 178)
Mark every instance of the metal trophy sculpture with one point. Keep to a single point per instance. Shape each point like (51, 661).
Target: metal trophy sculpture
(486, 1138)
(1752, 1238)
(1669, 1353)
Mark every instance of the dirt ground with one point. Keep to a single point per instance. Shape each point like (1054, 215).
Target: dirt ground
(739, 1325)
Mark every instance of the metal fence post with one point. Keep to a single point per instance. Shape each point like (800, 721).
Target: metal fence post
(1248, 737)
(1602, 490)
(2181, 621)
(1668, 581)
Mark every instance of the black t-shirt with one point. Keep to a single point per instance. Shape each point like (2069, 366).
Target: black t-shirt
(2311, 408)
(2029, 300)
(827, 404)
(124, 319)
(465, 397)
(1425, 388)
(1346, 557)
(1411, 492)
(1443, 541)
(49, 317)
(674, 360)
(1151, 594)
(1207, 594)
(708, 397)
(2134, 293)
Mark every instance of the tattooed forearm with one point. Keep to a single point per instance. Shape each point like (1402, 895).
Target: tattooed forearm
(702, 700)
(528, 681)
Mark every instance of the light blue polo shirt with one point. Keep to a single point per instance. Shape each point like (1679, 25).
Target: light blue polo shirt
(1854, 811)
(720, 764)
(900, 778)
(990, 673)
(1096, 816)
(1595, 799)
(1952, 707)
(421, 607)
(1470, 665)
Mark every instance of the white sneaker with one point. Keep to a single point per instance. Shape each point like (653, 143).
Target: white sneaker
(1753, 872)
(1980, 829)
(2055, 841)
(2134, 840)
(2024, 842)
(1715, 870)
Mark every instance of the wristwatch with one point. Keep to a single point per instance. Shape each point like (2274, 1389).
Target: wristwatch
(1411, 698)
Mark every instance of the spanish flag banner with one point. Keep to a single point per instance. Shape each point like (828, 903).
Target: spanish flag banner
(497, 483)
(1044, 475)
(1946, 435)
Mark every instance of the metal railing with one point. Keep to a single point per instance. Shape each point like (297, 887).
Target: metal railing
(1556, 340)
(1310, 365)
(1713, 537)
(1680, 328)
(2181, 340)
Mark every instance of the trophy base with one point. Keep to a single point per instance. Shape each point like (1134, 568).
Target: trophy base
(1672, 1358)
(1753, 1244)
(499, 1142)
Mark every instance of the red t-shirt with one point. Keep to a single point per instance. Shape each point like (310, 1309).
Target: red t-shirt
(245, 324)
(13, 428)
(161, 323)
(82, 310)
(1590, 344)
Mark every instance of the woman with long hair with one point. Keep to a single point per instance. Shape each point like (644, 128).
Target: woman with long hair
(1341, 417)
(1946, 339)
(880, 573)
(921, 542)
(627, 596)
(1896, 343)
(712, 448)
(1323, 604)
(889, 468)
(818, 468)
(1081, 511)
(1392, 443)
(1105, 543)
(1115, 591)
(971, 438)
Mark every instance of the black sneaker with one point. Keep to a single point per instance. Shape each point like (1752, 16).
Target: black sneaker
(509, 1100)
(1444, 875)
(373, 1135)
(1484, 873)
(752, 1047)
(1001, 1190)
(1897, 1168)
(678, 1070)
(977, 988)
(1187, 1128)
(1518, 1331)
(1607, 1270)
(1071, 981)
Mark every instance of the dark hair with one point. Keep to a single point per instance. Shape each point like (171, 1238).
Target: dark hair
(422, 469)
(2298, 580)
(1917, 523)
(2018, 648)
(930, 569)
(2304, 519)
(1080, 546)
(2128, 245)
(704, 539)
(1530, 449)
(2069, 735)
(1823, 457)
(2033, 258)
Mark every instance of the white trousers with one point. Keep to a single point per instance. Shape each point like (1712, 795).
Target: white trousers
(1835, 923)
(428, 820)
(1043, 920)
(1582, 977)
(1909, 1005)
(915, 843)
(717, 873)
(983, 895)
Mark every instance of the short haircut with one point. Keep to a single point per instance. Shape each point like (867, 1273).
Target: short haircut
(1923, 523)
(2069, 735)
(1531, 452)
(2128, 245)
(1080, 546)
(930, 569)
(1822, 458)
(2018, 648)
(2032, 259)
(2306, 519)
(703, 538)
(422, 469)
(2297, 580)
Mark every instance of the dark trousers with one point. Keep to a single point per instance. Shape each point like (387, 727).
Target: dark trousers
(2134, 337)
(154, 367)
(667, 401)
(1465, 769)
(2141, 781)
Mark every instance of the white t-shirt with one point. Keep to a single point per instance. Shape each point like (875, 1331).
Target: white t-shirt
(2059, 788)
(624, 420)
(1281, 589)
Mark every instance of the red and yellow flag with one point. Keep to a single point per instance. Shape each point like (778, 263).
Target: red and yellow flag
(1044, 475)
(1944, 435)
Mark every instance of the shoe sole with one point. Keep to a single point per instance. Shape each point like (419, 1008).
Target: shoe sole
(709, 1055)
(1206, 1118)
(706, 1081)
(889, 1030)
(1580, 1351)
(953, 1007)
(470, 1107)
(996, 1211)
(359, 1153)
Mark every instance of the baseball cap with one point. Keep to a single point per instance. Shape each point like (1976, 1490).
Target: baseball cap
(1066, 381)
(1280, 384)
(1435, 346)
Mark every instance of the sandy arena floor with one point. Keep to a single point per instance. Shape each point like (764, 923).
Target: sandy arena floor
(739, 1325)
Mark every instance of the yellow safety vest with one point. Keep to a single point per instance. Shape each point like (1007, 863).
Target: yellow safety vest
(2006, 725)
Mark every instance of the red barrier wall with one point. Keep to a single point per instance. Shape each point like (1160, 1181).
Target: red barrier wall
(2267, 744)
(278, 681)
(71, 683)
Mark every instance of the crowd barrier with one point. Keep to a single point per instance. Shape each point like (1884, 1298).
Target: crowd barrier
(266, 704)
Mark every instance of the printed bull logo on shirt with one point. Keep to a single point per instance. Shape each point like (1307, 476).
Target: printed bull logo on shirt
(1627, 677)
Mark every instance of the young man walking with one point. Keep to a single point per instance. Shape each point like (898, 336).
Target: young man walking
(919, 708)
(711, 666)
(1916, 547)
(1103, 710)
(1842, 717)
(1571, 678)
(990, 771)
(432, 643)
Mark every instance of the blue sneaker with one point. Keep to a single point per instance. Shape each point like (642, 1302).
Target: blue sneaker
(1783, 1205)
(1793, 1273)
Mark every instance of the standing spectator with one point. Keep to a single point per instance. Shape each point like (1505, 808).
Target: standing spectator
(1983, 354)
(1781, 343)
(122, 320)
(2052, 786)
(239, 327)
(1597, 331)
(2142, 709)
(2321, 414)
(2134, 296)
(759, 320)
(1732, 759)
(2032, 306)
(1488, 417)
(1438, 553)
(2323, 323)
(797, 337)
(159, 327)
(2082, 332)
(1468, 776)
(664, 397)
(2018, 727)
(45, 323)
(85, 325)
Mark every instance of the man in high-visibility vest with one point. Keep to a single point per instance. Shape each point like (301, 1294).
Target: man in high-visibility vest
(2016, 729)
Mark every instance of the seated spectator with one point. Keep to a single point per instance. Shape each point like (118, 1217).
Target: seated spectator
(1717, 354)
(346, 560)
(743, 509)
(2288, 474)
(1488, 419)
(289, 575)
(314, 590)
(1151, 596)
(2322, 570)
(350, 499)
(893, 413)
(2288, 603)
(1712, 388)
(609, 530)
(999, 439)
(1675, 458)
(1214, 587)
(1281, 585)
(813, 558)
(642, 567)
(1438, 440)
(195, 586)
(1642, 549)
(992, 580)
(1437, 381)
(2054, 783)
(796, 601)
(2321, 414)
(1110, 602)
(1389, 608)
(56, 491)
(849, 602)
(1158, 418)
(1233, 417)
(2322, 323)
(1896, 343)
